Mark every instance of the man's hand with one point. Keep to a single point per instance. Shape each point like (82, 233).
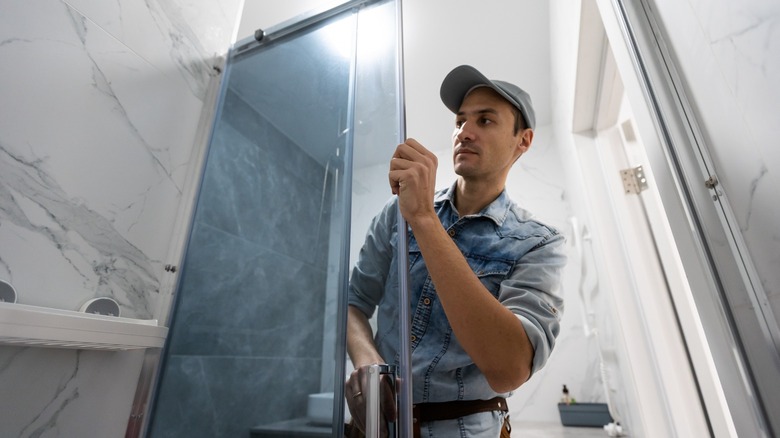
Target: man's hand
(354, 392)
(413, 179)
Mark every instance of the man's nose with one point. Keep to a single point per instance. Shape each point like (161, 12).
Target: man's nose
(464, 132)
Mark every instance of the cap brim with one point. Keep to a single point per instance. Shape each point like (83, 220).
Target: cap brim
(459, 82)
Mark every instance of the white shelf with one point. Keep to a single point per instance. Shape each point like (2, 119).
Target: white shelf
(34, 326)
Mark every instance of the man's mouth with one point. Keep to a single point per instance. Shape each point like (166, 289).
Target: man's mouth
(464, 150)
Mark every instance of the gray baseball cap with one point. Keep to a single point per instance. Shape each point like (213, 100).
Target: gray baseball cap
(461, 80)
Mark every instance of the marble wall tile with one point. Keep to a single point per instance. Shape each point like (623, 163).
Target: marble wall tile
(255, 195)
(97, 132)
(94, 151)
(60, 392)
(251, 305)
(96, 139)
(729, 57)
(179, 37)
(227, 396)
(277, 145)
(257, 303)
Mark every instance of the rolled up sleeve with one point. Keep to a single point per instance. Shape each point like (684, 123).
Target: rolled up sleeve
(532, 292)
(367, 281)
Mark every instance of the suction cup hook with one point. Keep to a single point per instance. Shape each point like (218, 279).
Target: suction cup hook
(7, 292)
(101, 306)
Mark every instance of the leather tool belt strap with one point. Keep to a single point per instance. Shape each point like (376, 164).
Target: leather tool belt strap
(424, 412)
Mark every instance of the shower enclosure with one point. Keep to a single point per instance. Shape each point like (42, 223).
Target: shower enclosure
(257, 339)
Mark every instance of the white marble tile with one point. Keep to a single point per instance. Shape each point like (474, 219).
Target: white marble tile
(729, 56)
(58, 392)
(744, 42)
(97, 128)
(179, 37)
(87, 163)
(95, 146)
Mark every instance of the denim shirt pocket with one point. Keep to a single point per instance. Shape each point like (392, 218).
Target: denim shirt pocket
(491, 271)
(414, 250)
(418, 272)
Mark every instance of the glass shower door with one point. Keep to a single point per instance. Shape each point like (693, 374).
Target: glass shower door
(257, 337)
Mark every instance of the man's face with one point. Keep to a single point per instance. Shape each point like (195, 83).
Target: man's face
(484, 143)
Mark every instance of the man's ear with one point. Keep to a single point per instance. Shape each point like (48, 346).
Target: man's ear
(525, 140)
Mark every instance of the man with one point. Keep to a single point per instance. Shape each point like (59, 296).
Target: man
(483, 275)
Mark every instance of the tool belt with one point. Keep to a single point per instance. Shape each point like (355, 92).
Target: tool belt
(424, 412)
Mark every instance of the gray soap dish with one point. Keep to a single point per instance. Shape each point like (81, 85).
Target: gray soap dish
(101, 306)
(7, 292)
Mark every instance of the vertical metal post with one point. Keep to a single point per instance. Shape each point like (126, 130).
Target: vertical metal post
(404, 375)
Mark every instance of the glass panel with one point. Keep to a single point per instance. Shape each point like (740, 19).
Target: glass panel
(256, 346)
(379, 128)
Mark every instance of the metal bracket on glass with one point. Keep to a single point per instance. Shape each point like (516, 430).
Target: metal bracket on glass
(373, 398)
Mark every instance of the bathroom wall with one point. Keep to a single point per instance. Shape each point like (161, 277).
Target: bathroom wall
(728, 54)
(728, 59)
(249, 318)
(99, 138)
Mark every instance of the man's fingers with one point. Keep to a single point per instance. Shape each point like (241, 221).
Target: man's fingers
(416, 145)
(411, 149)
(388, 400)
(355, 399)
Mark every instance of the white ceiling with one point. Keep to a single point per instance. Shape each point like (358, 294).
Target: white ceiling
(505, 39)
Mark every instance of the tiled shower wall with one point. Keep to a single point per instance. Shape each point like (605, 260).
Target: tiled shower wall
(100, 104)
(728, 54)
(249, 318)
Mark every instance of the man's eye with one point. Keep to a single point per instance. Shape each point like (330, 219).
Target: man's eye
(458, 123)
(485, 120)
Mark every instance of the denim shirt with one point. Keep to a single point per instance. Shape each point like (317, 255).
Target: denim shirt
(519, 260)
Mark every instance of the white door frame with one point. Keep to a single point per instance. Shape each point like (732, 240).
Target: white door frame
(672, 387)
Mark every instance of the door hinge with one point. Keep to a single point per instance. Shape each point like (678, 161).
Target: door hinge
(634, 180)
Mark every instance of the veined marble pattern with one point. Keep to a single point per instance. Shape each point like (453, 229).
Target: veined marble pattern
(729, 55)
(744, 39)
(101, 104)
(60, 392)
(179, 34)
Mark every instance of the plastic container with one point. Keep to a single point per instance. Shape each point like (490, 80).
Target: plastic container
(584, 414)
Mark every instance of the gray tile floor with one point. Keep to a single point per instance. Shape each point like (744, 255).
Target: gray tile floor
(555, 430)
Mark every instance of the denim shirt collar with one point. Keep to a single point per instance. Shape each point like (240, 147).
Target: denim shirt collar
(497, 210)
